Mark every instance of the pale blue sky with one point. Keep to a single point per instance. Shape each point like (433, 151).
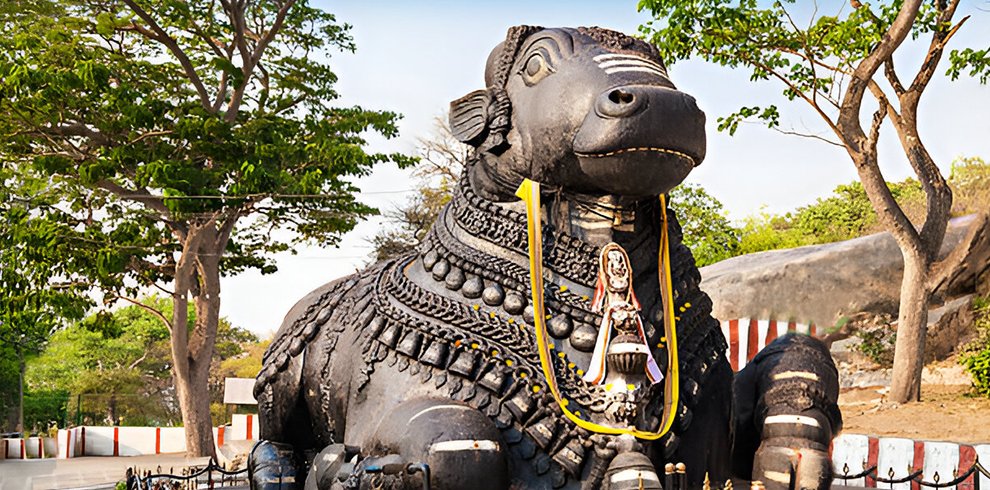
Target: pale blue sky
(415, 57)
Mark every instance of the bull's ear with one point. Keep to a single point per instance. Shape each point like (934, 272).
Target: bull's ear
(469, 117)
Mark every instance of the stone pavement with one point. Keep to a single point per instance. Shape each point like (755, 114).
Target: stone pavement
(86, 472)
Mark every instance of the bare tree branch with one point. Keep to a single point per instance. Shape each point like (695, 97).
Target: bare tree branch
(882, 99)
(891, 74)
(250, 62)
(935, 50)
(134, 364)
(878, 117)
(849, 112)
(173, 46)
(150, 134)
(150, 309)
(800, 93)
(808, 135)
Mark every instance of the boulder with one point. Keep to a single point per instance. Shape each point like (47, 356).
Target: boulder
(967, 270)
(821, 284)
(949, 326)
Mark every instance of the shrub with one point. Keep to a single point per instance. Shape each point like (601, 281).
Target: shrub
(976, 354)
(970, 182)
(878, 338)
(707, 230)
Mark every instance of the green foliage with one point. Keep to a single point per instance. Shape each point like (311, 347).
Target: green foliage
(707, 231)
(877, 342)
(141, 136)
(768, 232)
(841, 216)
(977, 61)
(970, 182)
(976, 355)
(844, 215)
(811, 54)
(39, 288)
(120, 364)
(137, 144)
(44, 409)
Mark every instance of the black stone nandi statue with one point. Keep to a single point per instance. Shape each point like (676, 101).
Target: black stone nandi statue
(428, 369)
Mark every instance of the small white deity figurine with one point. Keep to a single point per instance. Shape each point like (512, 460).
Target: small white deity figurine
(614, 298)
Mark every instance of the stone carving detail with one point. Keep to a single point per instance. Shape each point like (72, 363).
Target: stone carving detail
(432, 358)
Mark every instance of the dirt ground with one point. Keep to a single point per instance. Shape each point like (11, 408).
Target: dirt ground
(945, 413)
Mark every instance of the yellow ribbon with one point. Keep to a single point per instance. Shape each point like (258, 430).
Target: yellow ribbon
(529, 192)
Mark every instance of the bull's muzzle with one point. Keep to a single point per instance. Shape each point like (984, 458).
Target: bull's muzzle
(640, 139)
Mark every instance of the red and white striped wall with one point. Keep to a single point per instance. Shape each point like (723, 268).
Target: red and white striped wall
(903, 457)
(121, 441)
(30, 448)
(243, 427)
(747, 336)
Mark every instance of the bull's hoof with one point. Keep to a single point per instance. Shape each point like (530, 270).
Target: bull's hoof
(781, 467)
(273, 466)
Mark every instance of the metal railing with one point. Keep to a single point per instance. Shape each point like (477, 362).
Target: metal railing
(215, 476)
(189, 478)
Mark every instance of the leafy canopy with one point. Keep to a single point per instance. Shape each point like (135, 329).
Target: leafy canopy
(811, 49)
(125, 354)
(707, 230)
(132, 121)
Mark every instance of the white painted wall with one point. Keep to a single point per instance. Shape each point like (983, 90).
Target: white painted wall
(850, 450)
(99, 441)
(173, 440)
(135, 441)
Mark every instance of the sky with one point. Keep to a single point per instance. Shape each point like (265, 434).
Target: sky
(415, 57)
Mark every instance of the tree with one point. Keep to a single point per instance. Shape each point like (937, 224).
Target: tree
(176, 136)
(707, 230)
(120, 364)
(38, 293)
(442, 160)
(243, 360)
(831, 65)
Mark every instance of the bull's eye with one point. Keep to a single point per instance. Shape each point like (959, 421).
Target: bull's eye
(535, 69)
(534, 65)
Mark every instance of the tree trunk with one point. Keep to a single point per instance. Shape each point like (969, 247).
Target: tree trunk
(192, 348)
(195, 407)
(20, 396)
(912, 327)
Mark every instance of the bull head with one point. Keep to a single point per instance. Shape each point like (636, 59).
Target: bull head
(584, 110)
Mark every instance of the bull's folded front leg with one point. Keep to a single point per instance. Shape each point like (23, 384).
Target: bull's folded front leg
(786, 415)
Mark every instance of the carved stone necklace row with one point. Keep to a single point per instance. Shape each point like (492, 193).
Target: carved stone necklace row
(465, 269)
(487, 337)
(498, 283)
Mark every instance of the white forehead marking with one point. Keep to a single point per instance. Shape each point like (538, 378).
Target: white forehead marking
(612, 56)
(630, 62)
(634, 475)
(636, 68)
(618, 63)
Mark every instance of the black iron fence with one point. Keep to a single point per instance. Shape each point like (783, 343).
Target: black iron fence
(215, 476)
(190, 478)
(968, 479)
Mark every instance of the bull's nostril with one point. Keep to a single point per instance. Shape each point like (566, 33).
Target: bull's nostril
(621, 97)
(621, 102)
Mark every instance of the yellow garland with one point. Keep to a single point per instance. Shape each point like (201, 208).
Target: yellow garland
(529, 192)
